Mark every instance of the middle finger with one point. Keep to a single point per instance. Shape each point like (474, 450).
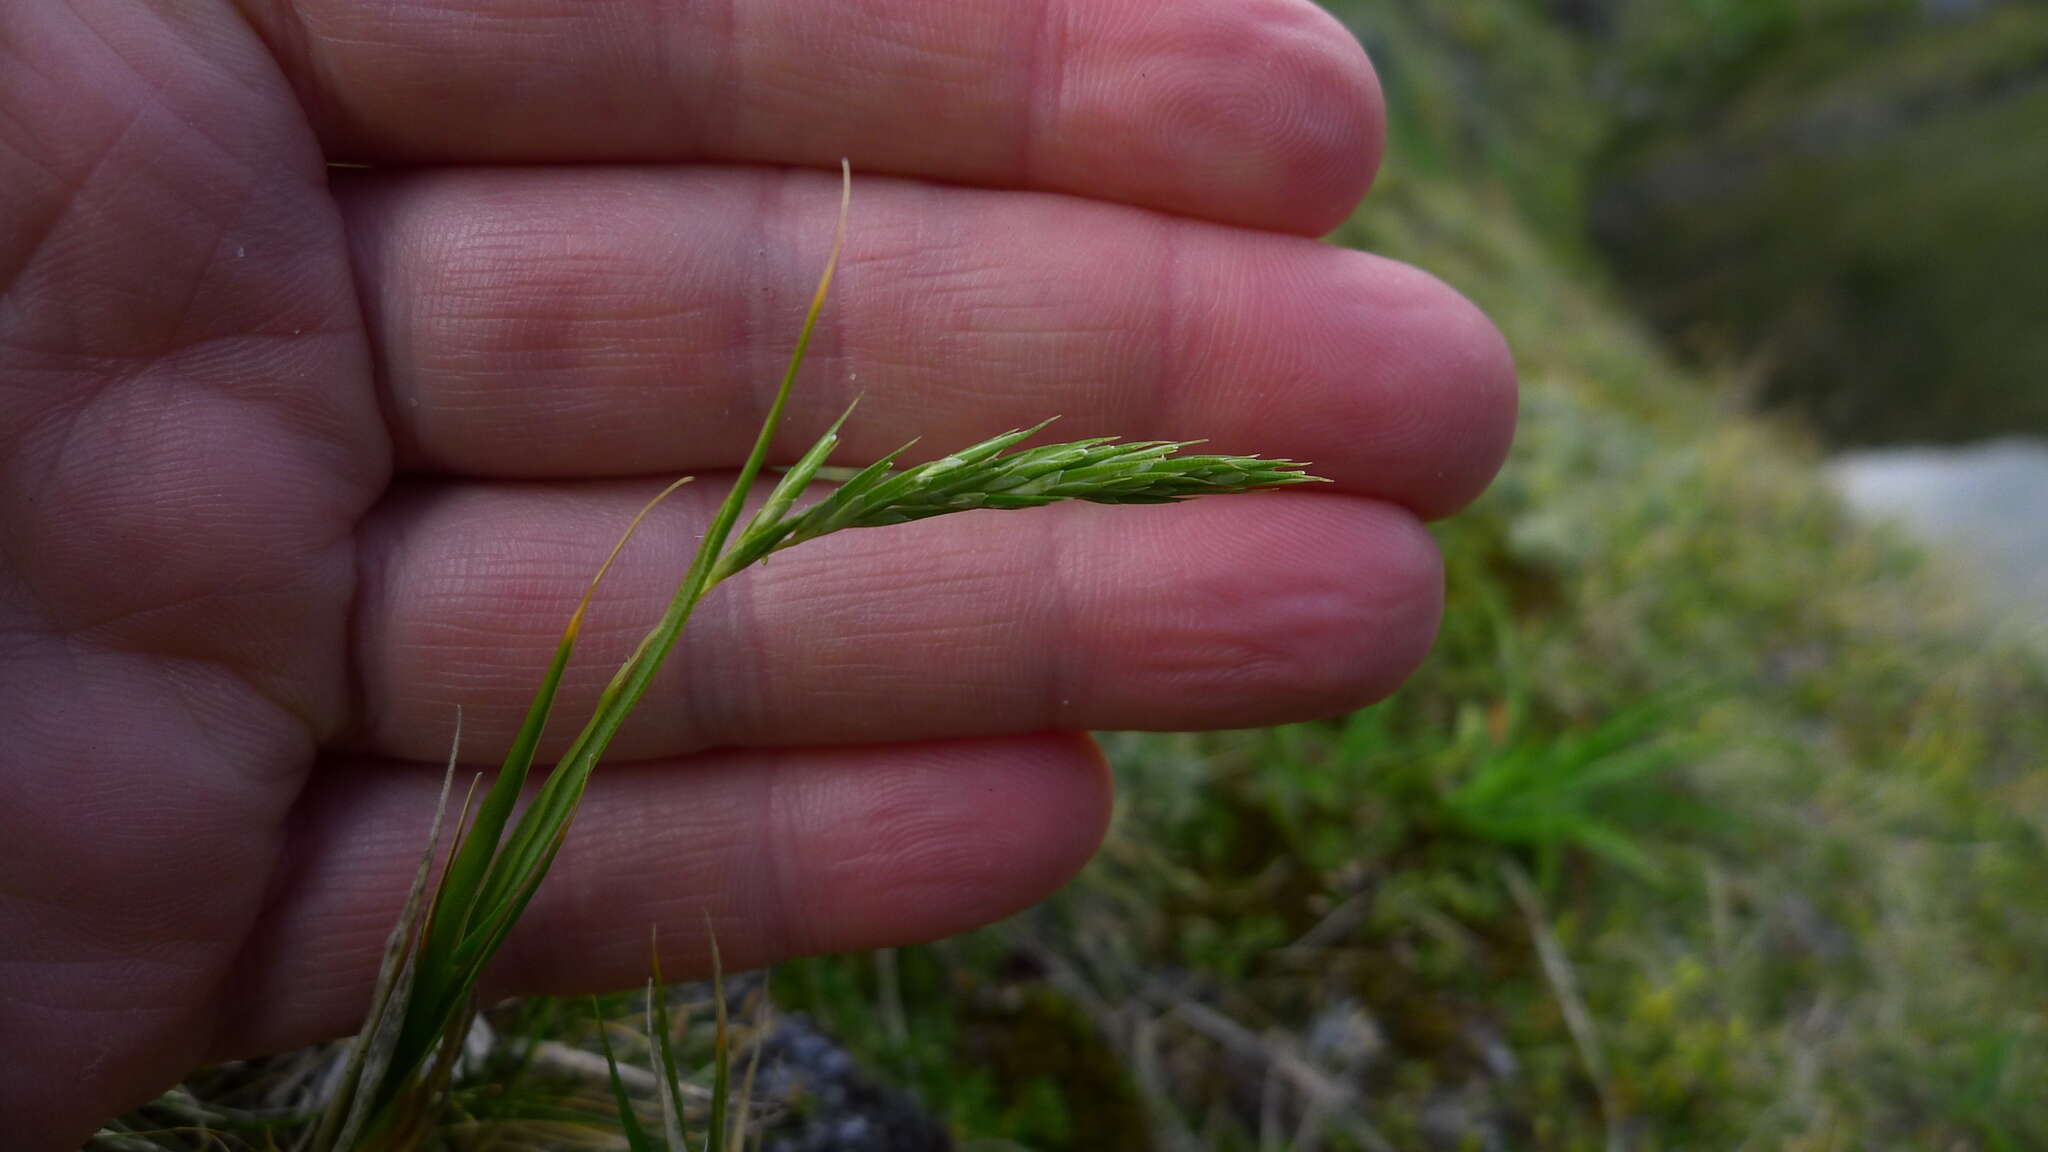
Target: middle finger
(537, 323)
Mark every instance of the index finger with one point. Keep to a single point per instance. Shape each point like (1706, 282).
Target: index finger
(1262, 113)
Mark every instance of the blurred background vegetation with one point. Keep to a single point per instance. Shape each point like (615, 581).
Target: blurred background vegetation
(1719, 819)
(1848, 194)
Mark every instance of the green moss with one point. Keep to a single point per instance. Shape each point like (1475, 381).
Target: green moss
(979, 1037)
(1066, 1087)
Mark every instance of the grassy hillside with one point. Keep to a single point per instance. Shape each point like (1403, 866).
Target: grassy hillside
(1716, 821)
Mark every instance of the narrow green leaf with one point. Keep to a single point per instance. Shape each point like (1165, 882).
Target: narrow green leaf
(441, 991)
(559, 795)
(463, 876)
(672, 1137)
(721, 1052)
(637, 1139)
(667, 1069)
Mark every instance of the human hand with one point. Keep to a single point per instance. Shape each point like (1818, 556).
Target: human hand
(298, 459)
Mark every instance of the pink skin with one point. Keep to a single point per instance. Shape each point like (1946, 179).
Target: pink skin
(292, 465)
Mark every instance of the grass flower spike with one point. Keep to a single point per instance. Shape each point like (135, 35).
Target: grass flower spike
(1103, 470)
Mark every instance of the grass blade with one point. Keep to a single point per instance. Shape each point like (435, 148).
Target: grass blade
(663, 1057)
(456, 900)
(465, 873)
(549, 814)
(668, 1071)
(721, 1051)
(637, 1139)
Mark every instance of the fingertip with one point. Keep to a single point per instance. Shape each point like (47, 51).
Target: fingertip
(939, 843)
(1266, 114)
(1338, 155)
(1401, 608)
(1423, 377)
(1360, 612)
(1264, 609)
(1474, 402)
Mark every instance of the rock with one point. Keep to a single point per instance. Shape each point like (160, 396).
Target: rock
(1983, 507)
(833, 1105)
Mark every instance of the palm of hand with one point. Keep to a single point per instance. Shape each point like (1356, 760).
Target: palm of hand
(231, 635)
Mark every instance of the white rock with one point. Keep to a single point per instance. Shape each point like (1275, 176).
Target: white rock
(1985, 506)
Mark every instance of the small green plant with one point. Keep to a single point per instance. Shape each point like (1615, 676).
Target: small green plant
(728, 1122)
(1590, 790)
(400, 1067)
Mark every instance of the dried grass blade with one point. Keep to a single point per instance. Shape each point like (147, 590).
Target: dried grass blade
(744, 1115)
(370, 1056)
